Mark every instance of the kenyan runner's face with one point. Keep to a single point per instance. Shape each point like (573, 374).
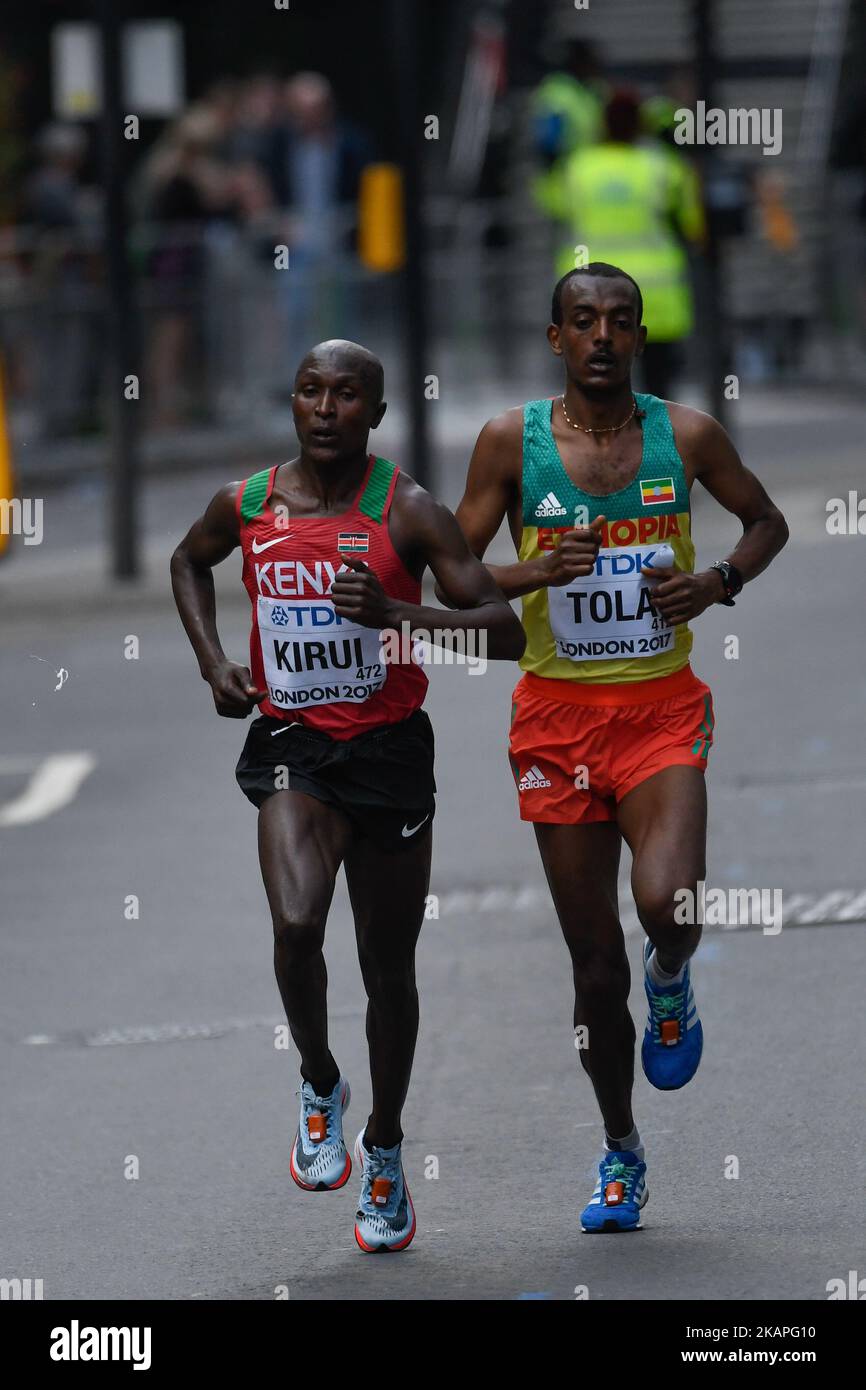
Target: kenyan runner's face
(333, 412)
(599, 337)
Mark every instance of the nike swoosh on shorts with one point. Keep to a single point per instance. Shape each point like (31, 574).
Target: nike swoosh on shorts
(406, 832)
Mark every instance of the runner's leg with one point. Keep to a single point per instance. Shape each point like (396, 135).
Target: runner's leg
(388, 893)
(302, 842)
(664, 822)
(581, 863)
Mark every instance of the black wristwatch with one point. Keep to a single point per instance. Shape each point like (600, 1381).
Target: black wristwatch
(732, 580)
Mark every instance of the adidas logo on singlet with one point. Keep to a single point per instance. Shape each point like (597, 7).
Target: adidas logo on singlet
(550, 506)
(532, 779)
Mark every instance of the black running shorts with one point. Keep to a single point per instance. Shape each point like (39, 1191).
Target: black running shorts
(382, 779)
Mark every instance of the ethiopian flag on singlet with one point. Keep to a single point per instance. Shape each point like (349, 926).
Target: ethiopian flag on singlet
(657, 490)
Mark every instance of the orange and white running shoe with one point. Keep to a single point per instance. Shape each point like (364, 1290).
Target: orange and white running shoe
(319, 1160)
(385, 1219)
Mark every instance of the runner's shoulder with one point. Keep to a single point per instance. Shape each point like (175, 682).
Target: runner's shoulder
(222, 510)
(500, 443)
(413, 503)
(695, 433)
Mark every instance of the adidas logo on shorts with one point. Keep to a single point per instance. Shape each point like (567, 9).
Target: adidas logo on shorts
(550, 506)
(532, 779)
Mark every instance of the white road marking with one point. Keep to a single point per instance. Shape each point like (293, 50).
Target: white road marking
(841, 907)
(169, 1032)
(834, 908)
(55, 782)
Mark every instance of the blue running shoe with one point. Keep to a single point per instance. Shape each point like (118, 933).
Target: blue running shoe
(319, 1160)
(385, 1219)
(674, 1039)
(619, 1195)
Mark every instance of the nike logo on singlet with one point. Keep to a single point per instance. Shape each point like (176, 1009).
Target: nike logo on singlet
(258, 548)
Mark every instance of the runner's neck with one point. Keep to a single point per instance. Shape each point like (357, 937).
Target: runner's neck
(333, 486)
(596, 411)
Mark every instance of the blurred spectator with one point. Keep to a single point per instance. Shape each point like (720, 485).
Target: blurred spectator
(62, 212)
(317, 159)
(222, 101)
(254, 120)
(567, 113)
(185, 186)
(635, 205)
(53, 193)
(658, 111)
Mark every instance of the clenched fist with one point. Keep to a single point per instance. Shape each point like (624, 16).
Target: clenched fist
(234, 693)
(360, 597)
(575, 556)
(679, 597)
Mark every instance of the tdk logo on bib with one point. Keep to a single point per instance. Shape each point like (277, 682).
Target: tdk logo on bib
(617, 563)
(304, 615)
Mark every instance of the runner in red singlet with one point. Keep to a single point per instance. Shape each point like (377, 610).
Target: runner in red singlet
(340, 760)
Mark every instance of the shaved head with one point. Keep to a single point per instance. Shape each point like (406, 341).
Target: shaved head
(338, 354)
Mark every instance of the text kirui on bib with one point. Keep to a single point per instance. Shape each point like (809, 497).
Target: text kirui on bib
(312, 656)
(609, 613)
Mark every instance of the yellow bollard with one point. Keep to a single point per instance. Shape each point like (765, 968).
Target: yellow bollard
(381, 225)
(7, 480)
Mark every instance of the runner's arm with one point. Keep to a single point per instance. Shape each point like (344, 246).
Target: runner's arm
(491, 491)
(718, 466)
(431, 532)
(209, 541)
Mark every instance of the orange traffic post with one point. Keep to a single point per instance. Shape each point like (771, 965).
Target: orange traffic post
(7, 477)
(381, 218)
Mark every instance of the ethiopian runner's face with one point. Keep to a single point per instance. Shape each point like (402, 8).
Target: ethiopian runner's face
(333, 410)
(599, 337)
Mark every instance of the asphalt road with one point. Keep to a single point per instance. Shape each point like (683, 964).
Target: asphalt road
(154, 1037)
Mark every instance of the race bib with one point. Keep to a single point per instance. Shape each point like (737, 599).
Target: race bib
(609, 614)
(312, 656)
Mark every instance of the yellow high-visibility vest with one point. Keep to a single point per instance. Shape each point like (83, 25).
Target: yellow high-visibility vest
(580, 108)
(624, 203)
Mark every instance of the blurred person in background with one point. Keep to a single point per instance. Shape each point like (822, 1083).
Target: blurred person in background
(316, 162)
(567, 115)
(568, 105)
(243, 316)
(186, 185)
(635, 203)
(659, 110)
(254, 122)
(63, 215)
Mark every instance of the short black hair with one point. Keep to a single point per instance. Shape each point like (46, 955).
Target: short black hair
(599, 268)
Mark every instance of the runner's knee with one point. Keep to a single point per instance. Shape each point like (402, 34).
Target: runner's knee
(601, 973)
(387, 981)
(298, 935)
(659, 908)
